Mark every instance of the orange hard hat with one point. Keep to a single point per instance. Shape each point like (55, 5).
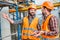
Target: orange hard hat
(32, 6)
(48, 5)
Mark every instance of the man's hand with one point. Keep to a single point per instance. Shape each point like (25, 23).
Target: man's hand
(38, 33)
(41, 32)
(5, 16)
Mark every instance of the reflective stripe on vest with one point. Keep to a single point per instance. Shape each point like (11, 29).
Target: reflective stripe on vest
(26, 34)
(27, 29)
(45, 27)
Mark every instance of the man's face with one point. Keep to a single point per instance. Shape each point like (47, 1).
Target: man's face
(32, 12)
(43, 11)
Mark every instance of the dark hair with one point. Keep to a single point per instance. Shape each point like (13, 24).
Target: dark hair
(47, 8)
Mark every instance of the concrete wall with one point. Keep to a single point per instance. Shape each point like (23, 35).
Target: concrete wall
(5, 25)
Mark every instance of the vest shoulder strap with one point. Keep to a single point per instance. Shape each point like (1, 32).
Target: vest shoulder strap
(48, 18)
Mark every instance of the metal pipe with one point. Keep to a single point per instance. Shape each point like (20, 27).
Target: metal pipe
(38, 7)
(0, 31)
(17, 18)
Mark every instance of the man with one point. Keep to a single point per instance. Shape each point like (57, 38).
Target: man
(30, 24)
(49, 28)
